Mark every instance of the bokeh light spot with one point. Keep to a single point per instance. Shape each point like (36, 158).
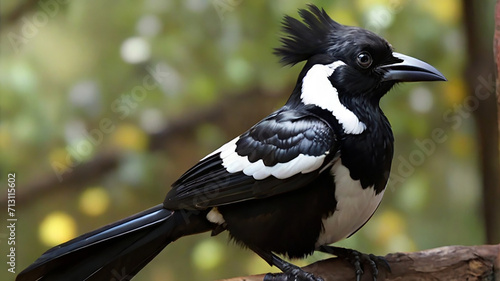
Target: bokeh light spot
(421, 99)
(94, 201)
(59, 156)
(207, 254)
(130, 137)
(388, 224)
(135, 50)
(56, 228)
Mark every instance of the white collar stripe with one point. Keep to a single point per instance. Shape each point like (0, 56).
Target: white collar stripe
(317, 90)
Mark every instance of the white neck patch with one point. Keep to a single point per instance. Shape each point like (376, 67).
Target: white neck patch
(317, 90)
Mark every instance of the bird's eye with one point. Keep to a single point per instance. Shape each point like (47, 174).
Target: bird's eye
(364, 60)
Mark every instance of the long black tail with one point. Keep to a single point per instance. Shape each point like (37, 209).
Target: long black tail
(117, 251)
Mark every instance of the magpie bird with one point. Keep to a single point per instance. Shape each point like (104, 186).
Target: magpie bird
(309, 174)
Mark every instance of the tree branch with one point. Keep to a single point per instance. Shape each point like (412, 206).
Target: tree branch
(18, 12)
(496, 51)
(480, 81)
(445, 263)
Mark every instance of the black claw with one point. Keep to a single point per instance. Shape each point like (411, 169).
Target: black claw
(357, 265)
(358, 277)
(371, 259)
(295, 275)
(269, 277)
(384, 263)
(377, 261)
(277, 277)
(357, 259)
(358, 269)
(290, 271)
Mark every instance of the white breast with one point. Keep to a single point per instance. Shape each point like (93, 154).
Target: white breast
(355, 206)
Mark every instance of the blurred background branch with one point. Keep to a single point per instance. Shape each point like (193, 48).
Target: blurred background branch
(91, 171)
(16, 13)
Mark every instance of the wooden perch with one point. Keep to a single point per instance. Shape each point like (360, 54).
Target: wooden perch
(446, 263)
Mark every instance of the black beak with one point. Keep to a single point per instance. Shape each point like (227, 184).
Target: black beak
(410, 70)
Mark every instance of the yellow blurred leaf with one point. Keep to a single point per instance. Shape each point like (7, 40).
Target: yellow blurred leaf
(60, 155)
(257, 265)
(5, 137)
(94, 201)
(446, 11)
(207, 254)
(130, 137)
(454, 93)
(400, 243)
(393, 6)
(343, 16)
(461, 145)
(56, 228)
(387, 225)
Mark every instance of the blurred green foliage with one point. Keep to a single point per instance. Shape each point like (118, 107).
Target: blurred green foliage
(81, 78)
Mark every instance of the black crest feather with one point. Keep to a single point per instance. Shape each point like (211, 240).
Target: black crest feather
(306, 38)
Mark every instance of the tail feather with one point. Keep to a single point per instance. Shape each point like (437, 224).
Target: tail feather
(117, 251)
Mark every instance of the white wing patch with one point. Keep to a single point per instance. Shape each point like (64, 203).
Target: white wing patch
(317, 90)
(235, 163)
(215, 216)
(355, 206)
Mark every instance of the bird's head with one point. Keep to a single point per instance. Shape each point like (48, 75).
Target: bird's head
(360, 66)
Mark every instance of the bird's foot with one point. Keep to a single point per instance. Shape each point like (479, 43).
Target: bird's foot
(357, 259)
(292, 273)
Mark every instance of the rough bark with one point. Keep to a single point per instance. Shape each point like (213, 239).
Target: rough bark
(480, 80)
(496, 52)
(445, 263)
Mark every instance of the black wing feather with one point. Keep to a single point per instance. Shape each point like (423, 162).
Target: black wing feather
(283, 136)
(279, 138)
